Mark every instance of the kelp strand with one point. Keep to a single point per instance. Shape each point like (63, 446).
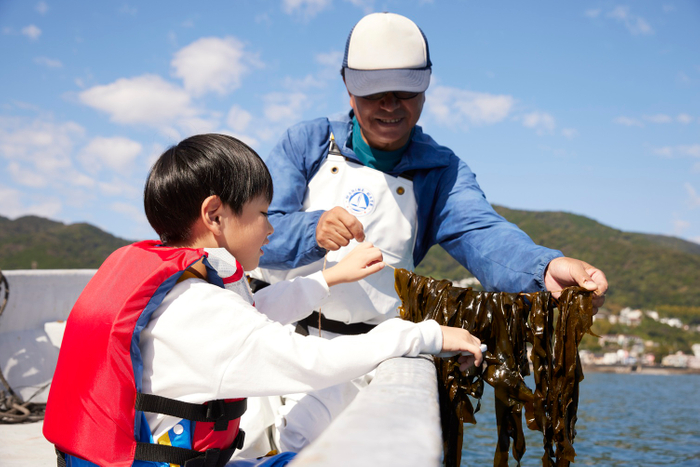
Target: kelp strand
(506, 322)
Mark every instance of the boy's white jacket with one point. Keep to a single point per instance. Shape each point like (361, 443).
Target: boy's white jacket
(204, 342)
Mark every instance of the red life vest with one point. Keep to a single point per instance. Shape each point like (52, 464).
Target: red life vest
(92, 411)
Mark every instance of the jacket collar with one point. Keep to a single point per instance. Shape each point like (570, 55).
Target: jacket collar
(423, 152)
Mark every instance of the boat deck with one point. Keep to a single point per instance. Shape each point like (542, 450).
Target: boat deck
(23, 445)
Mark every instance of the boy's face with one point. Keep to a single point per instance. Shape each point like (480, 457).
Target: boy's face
(245, 234)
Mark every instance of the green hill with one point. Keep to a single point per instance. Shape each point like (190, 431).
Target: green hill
(644, 271)
(33, 242)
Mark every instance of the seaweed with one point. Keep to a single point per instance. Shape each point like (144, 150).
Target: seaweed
(506, 322)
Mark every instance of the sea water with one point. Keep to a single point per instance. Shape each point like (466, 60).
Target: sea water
(623, 420)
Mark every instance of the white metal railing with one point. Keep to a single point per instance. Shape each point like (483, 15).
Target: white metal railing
(31, 328)
(395, 421)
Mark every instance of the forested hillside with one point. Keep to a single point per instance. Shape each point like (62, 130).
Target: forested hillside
(644, 271)
(33, 242)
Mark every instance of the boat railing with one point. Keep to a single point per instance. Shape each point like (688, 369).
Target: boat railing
(395, 421)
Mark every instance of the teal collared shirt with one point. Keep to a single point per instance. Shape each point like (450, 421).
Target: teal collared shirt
(374, 158)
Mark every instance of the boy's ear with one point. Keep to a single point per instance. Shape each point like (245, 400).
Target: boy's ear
(211, 214)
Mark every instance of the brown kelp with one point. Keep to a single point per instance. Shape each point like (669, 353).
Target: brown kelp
(505, 322)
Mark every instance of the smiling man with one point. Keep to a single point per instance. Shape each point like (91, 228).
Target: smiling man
(372, 174)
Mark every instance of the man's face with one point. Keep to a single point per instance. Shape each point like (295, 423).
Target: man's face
(387, 122)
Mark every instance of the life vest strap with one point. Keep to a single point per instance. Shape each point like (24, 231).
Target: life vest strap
(218, 411)
(180, 456)
(187, 457)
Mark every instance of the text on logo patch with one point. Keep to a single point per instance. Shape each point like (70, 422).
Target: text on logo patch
(359, 202)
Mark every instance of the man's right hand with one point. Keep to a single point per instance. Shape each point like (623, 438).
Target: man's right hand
(336, 228)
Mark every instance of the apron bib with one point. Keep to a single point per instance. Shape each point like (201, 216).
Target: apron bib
(386, 207)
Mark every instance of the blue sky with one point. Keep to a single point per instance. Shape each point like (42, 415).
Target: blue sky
(586, 107)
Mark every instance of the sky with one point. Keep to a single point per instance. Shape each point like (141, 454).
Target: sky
(589, 107)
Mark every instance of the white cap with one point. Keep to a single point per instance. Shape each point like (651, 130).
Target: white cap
(386, 52)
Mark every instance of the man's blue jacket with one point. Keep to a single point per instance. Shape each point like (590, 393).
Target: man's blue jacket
(452, 209)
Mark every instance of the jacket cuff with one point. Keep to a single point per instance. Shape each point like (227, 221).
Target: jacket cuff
(542, 267)
(432, 336)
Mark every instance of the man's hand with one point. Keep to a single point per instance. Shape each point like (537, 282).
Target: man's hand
(337, 227)
(565, 272)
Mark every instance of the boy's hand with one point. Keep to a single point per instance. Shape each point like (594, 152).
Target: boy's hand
(457, 340)
(363, 260)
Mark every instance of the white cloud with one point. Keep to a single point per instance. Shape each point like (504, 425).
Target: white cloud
(331, 63)
(46, 145)
(31, 32)
(147, 100)
(213, 64)
(635, 24)
(42, 8)
(332, 59)
(690, 150)
(116, 153)
(281, 108)
(658, 118)
(26, 177)
(457, 107)
(154, 153)
(367, 6)
(684, 118)
(120, 188)
(138, 226)
(541, 122)
(693, 197)
(626, 121)
(79, 179)
(197, 125)
(130, 210)
(306, 8)
(592, 13)
(238, 119)
(48, 62)
(13, 205)
(308, 82)
(569, 132)
(680, 226)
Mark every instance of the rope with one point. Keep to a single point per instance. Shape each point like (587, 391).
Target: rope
(12, 408)
(325, 258)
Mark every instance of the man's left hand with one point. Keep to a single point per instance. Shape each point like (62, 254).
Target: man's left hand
(566, 272)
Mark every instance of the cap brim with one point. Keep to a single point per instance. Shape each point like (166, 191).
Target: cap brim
(366, 82)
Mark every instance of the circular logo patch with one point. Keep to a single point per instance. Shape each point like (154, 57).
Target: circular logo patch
(359, 202)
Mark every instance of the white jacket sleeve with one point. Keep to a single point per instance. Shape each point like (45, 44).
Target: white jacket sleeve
(290, 301)
(207, 343)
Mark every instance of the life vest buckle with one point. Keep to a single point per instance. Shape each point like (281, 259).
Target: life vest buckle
(216, 412)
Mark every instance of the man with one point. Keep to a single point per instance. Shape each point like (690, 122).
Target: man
(373, 175)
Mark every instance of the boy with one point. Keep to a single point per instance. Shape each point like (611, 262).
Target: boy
(167, 333)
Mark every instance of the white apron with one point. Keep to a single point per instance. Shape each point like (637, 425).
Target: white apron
(387, 208)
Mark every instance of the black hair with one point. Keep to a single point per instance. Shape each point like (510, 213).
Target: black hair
(199, 167)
